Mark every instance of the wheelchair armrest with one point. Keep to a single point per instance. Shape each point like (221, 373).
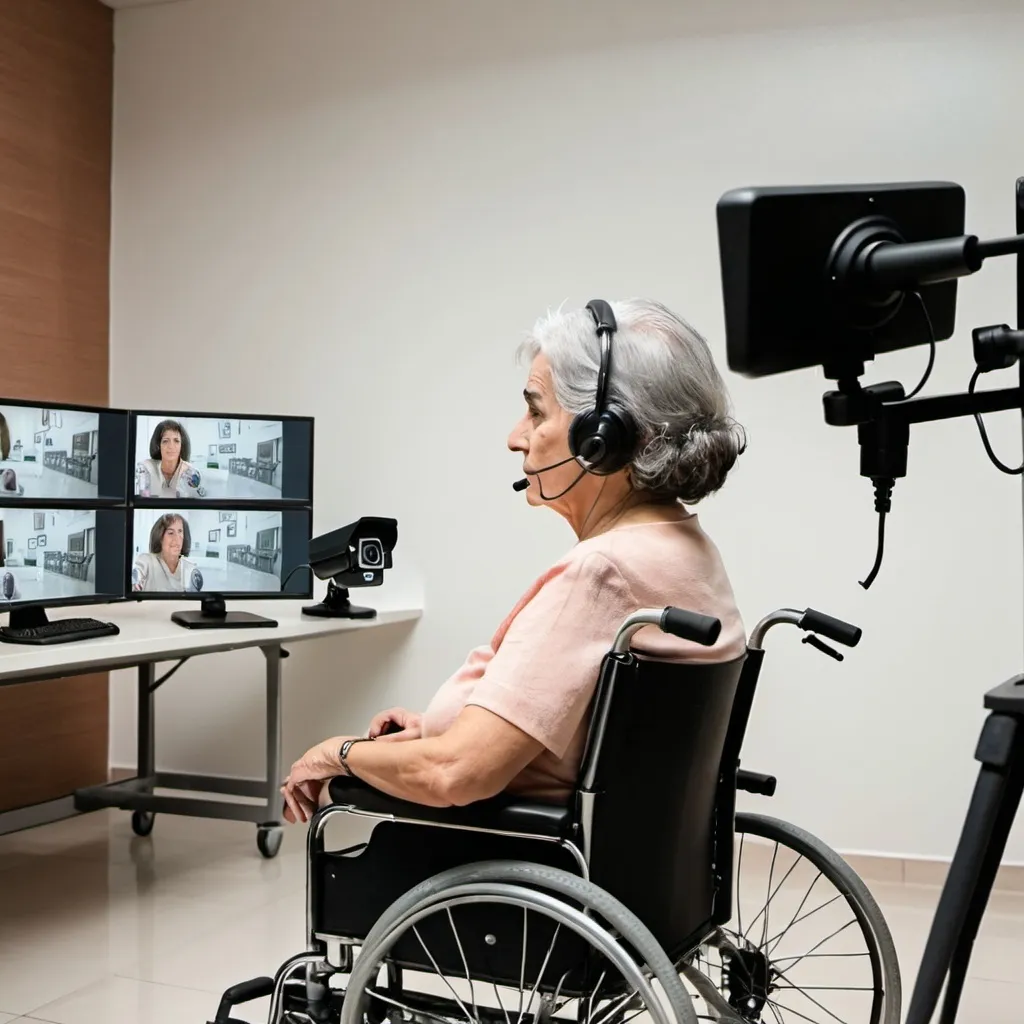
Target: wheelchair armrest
(502, 813)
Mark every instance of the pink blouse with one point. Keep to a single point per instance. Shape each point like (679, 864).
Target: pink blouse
(540, 669)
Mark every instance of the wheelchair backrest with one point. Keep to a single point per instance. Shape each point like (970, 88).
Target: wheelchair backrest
(661, 763)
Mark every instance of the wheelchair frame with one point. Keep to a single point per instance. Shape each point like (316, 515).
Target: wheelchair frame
(326, 949)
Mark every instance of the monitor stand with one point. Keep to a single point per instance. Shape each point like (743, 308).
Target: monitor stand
(335, 605)
(213, 615)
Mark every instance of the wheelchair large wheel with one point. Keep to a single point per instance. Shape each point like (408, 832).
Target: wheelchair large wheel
(506, 938)
(807, 943)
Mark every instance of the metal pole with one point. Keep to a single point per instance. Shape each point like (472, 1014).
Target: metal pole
(1020, 299)
(146, 757)
(274, 776)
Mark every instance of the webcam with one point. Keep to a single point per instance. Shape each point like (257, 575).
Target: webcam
(354, 556)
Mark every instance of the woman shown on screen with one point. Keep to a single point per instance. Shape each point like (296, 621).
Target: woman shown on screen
(167, 473)
(9, 590)
(166, 567)
(8, 478)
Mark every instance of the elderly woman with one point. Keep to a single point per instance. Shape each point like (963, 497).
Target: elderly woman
(513, 716)
(167, 473)
(166, 567)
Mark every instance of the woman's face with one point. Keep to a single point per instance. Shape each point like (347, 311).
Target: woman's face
(173, 539)
(170, 447)
(542, 435)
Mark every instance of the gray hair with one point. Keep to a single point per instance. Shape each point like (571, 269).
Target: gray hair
(663, 375)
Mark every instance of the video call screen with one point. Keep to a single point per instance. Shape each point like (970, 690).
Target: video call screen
(190, 551)
(53, 555)
(205, 458)
(68, 454)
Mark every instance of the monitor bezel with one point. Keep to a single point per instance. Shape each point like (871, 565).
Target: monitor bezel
(65, 503)
(230, 502)
(228, 595)
(83, 599)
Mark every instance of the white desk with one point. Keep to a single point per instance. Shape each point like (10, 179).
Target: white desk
(148, 636)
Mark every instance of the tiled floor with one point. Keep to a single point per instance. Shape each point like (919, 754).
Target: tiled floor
(99, 926)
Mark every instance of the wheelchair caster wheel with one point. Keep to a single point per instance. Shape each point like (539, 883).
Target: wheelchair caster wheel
(268, 840)
(142, 822)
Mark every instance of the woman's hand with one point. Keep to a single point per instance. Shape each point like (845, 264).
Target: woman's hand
(409, 725)
(302, 787)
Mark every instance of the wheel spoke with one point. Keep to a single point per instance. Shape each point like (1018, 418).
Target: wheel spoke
(621, 1001)
(797, 1013)
(825, 988)
(465, 963)
(437, 971)
(807, 896)
(522, 970)
(739, 871)
(543, 968)
(375, 994)
(785, 973)
(771, 896)
(820, 1007)
(814, 956)
(590, 1001)
(809, 913)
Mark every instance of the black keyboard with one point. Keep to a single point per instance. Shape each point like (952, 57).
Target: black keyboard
(60, 631)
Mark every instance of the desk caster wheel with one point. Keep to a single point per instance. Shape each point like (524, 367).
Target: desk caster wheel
(268, 840)
(142, 822)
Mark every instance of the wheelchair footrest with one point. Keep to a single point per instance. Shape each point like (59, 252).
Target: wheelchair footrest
(754, 782)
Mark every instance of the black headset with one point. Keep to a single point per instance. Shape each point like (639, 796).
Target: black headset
(604, 438)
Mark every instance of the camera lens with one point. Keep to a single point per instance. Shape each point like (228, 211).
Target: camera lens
(371, 554)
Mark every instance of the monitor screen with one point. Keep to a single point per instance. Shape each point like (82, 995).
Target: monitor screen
(217, 458)
(61, 556)
(190, 552)
(63, 453)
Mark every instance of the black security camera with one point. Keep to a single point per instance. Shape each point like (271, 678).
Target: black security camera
(354, 556)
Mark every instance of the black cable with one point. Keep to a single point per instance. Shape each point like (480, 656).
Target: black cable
(931, 346)
(884, 484)
(1001, 466)
(865, 583)
(284, 582)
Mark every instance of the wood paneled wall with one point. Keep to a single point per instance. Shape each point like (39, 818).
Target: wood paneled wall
(56, 105)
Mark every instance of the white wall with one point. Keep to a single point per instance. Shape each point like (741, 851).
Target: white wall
(374, 200)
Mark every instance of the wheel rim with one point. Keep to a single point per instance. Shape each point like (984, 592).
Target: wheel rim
(620, 993)
(799, 948)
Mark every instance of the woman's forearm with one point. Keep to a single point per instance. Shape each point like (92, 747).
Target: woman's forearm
(413, 770)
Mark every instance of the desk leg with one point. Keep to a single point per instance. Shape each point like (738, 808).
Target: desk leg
(269, 835)
(146, 751)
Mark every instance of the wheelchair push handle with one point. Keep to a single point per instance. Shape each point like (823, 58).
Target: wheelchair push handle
(701, 629)
(835, 629)
(812, 622)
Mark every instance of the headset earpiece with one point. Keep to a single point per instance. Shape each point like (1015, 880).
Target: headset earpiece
(603, 438)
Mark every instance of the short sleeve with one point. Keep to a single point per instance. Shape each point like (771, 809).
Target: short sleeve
(544, 673)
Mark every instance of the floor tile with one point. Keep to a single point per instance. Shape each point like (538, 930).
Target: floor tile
(100, 925)
(124, 999)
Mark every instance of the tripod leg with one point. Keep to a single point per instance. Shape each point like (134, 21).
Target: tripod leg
(1012, 790)
(964, 895)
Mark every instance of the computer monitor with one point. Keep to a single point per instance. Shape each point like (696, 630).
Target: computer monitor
(222, 458)
(51, 557)
(62, 454)
(204, 553)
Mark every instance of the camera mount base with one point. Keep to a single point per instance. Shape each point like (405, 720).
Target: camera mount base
(336, 606)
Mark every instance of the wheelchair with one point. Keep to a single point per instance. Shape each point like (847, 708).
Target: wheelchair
(626, 902)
